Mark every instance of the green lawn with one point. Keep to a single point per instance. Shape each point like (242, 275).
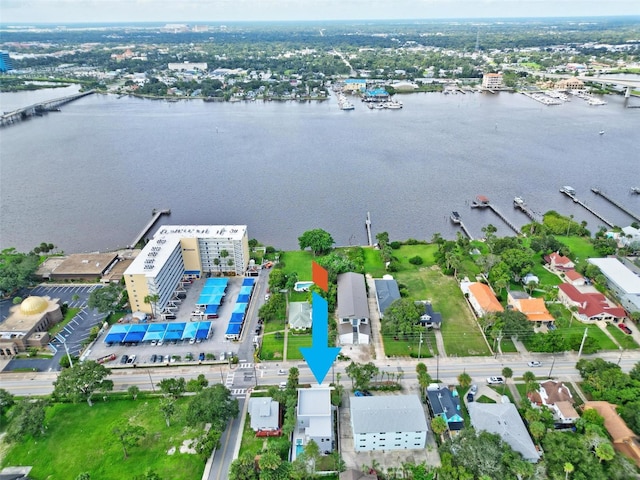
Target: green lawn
(581, 248)
(485, 399)
(294, 342)
(460, 331)
(79, 439)
(298, 261)
(426, 252)
(626, 341)
(71, 312)
(272, 348)
(410, 347)
(373, 263)
(545, 276)
(508, 346)
(575, 329)
(274, 326)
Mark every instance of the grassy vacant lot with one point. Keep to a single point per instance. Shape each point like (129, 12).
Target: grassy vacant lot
(294, 342)
(272, 348)
(298, 261)
(581, 248)
(79, 439)
(626, 341)
(460, 331)
(575, 328)
(411, 347)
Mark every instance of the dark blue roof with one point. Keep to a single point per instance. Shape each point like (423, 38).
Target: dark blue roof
(387, 292)
(444, 403)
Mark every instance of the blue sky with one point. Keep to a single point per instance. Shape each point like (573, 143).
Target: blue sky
(61, 11)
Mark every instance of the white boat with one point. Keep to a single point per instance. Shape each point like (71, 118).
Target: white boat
(393, 105)
(347, 106)
(601, 132)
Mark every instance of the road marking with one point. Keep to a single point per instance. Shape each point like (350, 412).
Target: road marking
(240, 392)
(245, 365)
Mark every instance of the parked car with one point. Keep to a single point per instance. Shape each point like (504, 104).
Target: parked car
(153, 358)
(124, 359)
(624, 328)
(258, 330)
(132, 359)
(469, 397)
(473, 389)
(367, 393)
(358, 393)
(283, 385)
(267, 297)
(495, 380)
(282, 372)
(534, 363)
(201, 356)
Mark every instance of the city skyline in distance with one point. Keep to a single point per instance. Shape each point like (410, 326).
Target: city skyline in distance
(195, 11)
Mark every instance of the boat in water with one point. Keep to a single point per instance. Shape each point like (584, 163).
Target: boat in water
(393, 105)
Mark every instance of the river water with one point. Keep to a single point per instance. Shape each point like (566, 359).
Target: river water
(88, 177)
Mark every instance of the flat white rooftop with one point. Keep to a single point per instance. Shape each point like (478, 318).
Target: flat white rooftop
(617, 272)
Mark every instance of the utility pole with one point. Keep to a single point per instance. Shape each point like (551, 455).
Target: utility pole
(437, 366)
(552, 364)
(64, 343)
(153, 388)
(420, 346)
(584, 337)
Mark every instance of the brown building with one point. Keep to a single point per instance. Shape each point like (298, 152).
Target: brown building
(27, 325)
(84, 266)
(623, 438)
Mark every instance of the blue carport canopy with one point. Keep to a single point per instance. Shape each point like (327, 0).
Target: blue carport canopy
(245, 290)
(243, 298)
(211, 310)
(117, 333)
(136, 333)
(234, 329)
(240, 307)
(155, 331)
(248, 281)
(236, 318)
(190, 331)
(203, 330)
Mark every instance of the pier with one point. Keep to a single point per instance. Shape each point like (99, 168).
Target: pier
(613, 202)
(570, 192)
(38, 109)
(483, 202)
(455, 218)
(367, 225)
(156, 215)
(519, 203)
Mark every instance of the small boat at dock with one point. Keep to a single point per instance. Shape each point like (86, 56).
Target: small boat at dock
(455, 217)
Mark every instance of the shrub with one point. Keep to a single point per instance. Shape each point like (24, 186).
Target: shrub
(417, 260)
(395, 245)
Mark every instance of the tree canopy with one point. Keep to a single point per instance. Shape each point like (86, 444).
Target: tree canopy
(106, 299)
(16, 270)
(318, 240)
(213, 405)
(401, 318)
(81, 381)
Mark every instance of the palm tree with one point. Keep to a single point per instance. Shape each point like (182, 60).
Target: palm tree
(604, 451)
(224, 254)
(530, 381)
(439, 425)
(568, 468)
(507, 373)
(216, 262)
(464, 380)
(152, 300)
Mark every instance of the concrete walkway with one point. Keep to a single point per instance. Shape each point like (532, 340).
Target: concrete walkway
(440, 344)
(374, 318)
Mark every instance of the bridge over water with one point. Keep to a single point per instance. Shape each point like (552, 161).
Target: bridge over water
(40, 108)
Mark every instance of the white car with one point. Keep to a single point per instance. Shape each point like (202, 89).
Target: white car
(282, 372)
(473, 390)
(534, 363)
(267, 297)
(495, 380)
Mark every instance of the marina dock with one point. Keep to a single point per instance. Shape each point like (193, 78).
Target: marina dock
(613, 202)
(571, 193)
(519, 203)
(367, 225)
(457, 220)
(156, 215)
(483, 202)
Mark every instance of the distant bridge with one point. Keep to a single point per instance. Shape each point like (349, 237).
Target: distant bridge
(606, 80)
(38, 109)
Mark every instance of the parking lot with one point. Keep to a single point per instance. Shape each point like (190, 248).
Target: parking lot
(158, 353)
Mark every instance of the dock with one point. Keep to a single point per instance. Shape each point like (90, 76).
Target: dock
(613, 202)
(569, 192)
(38, 109)
(156, 214)
(367, 225)
(457, 220)
(483, 202)
(519, 203)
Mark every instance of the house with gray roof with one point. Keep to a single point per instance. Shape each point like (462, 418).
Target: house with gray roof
(299, 315)
(429, 317)
(387, 292)
(315, 418)
(353, 309)
(264, 413)
(388, 422)
(504, 420)
(445, 402)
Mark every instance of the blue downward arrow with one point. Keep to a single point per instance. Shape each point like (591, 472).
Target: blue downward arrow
(319, 356)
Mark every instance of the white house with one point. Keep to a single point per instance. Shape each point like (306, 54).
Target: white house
(315, 418)
(394, 422)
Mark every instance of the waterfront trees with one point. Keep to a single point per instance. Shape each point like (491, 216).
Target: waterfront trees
(106, 299)
(27, 419)
(318, 240)
(16, 270)
(401, 318)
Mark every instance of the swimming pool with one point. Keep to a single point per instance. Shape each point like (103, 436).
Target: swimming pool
(302, 286)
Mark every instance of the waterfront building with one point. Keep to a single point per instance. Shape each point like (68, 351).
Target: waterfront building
(6, 64)
(354, 85)
(395, 422)
(570, 84)
(533, 308)
(492, 80)
(178, 253)
(299, 315)
(624, 283)
(387, 292)
(353, 309)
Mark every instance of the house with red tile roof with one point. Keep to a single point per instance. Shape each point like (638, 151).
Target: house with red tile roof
(592, 306)
(623, 438)
(574, 278)
(481, 298)
(559, 262)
